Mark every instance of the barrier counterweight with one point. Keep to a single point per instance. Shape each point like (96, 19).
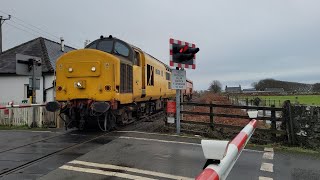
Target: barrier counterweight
(235, 147)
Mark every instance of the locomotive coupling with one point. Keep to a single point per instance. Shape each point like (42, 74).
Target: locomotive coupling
(53, 106)
(100, 107)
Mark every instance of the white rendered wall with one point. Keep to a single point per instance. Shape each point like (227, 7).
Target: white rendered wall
(12, 88)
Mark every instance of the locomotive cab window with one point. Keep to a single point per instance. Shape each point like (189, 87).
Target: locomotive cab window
(121, 49)
(92, 46)
(167, 76)
(105, 45)
(137, 58)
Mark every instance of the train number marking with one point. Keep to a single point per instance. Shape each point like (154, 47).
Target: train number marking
(107, 65)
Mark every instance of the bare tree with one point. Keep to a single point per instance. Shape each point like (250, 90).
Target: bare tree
(215, 86)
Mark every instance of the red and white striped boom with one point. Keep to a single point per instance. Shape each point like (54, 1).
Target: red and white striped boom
(235, 147)
(21, 106)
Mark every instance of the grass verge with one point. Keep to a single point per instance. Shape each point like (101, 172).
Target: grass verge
(283, 148)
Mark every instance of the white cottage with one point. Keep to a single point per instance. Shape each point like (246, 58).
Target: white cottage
(15, 87)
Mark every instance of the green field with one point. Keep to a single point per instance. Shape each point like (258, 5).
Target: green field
(301, 99)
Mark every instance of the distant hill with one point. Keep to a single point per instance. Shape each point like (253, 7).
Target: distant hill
(286, 85)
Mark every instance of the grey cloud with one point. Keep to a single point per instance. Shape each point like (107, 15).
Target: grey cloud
(240, 41)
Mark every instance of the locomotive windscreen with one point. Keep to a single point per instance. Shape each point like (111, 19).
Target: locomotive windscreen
(103, 45)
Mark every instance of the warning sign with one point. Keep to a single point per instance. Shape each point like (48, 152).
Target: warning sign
(178, 78)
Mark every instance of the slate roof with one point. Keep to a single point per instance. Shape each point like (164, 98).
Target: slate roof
(233, 89)
(49, 51)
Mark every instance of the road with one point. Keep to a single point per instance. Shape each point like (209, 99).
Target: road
(136, 155)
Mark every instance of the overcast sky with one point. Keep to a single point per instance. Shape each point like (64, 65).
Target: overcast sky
(240, 41)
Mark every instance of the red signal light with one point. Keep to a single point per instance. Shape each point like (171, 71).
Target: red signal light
(184, 49)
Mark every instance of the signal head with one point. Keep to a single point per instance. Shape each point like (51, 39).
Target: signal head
(183, 53)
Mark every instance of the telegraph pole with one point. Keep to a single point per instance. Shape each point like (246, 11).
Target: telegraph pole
(2, 20)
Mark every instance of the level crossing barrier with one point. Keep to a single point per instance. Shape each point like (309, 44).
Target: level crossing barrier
(222, 165)
(24, 114)
(21, 106)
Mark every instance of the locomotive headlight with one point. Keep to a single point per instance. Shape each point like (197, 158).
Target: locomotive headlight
(93, 69)
(70, 69)
(79, 85)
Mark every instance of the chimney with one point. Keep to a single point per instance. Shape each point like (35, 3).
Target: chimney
(62, 44)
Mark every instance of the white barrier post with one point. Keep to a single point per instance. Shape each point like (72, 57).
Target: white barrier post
(234, 149)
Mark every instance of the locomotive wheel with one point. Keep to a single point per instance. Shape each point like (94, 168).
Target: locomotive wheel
(124, 118)
(107, 122)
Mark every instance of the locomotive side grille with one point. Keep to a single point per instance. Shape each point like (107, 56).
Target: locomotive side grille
(122, 78)
(130, 78)
(126, 85)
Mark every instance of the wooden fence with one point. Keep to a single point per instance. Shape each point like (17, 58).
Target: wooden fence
(24, 117)
(273, 118)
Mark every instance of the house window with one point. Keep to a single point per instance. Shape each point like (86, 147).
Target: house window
(158, 71)
(162, 73)
(27, 92)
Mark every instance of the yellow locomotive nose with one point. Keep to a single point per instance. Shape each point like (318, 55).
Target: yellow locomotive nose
(84, 74)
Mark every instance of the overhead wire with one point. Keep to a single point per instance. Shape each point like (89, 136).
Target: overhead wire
(42, 33)
(21, 29)
(15, 17)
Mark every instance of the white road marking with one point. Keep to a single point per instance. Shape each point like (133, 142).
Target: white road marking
(173, 135)
(139, 132)
(252, 150)
(135, 170)
(268, 155)
(176, 142)
(267, 167)
(268, 149)
(159, 140)
(265, 178)
(101, 172)
(42, 131)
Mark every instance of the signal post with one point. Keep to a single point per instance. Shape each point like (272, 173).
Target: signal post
(182, 55)
(30, 66)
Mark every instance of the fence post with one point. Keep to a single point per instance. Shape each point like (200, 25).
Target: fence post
(10, 117)
(211, 116)
(291, 124)
(273, 122)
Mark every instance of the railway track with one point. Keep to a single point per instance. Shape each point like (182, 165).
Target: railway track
(99, 135)
(48, 155)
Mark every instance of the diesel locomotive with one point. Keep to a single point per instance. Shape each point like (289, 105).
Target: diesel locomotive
(109, 82)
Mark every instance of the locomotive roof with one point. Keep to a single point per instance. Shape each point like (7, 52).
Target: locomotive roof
(135, 47)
